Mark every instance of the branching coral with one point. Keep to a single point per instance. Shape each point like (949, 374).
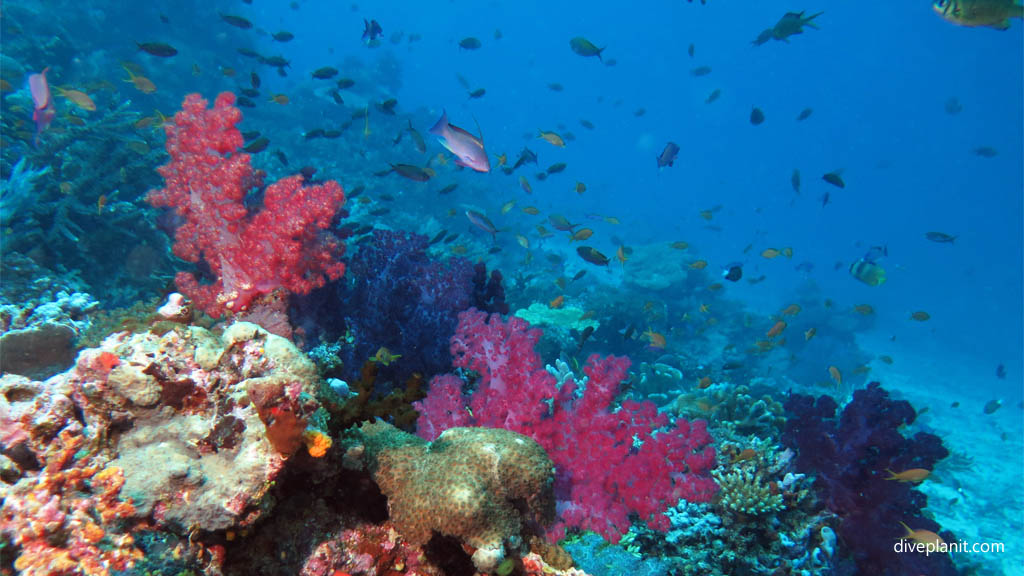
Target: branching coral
(743, 490)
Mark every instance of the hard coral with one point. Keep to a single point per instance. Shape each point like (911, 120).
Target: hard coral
(206, 183)
(487, 487)
(64, 511)
(850, 453)
(200, 424)
(611, 462)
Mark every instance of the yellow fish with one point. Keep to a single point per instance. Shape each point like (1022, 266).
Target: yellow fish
(142, 84)
(836, 375)
(656, 340)
(923, 536)
(552, 138)
(525, 185)
(78, 98)
(384, 356)
(508, 206)
(914, 475)
(868, 272)
(991, 13)
(581, 235)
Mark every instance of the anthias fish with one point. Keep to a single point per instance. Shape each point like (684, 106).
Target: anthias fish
(467, 148)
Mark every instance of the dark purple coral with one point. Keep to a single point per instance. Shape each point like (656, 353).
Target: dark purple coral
(849, 456)
(396, 296)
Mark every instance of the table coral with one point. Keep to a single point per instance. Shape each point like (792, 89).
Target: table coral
(487, 487)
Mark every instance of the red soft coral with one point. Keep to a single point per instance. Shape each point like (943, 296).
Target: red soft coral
(611, 462)
(281, 246)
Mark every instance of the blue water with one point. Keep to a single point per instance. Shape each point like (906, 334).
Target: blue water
(878, 76)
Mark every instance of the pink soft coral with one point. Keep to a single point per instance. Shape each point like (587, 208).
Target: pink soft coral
(206, 182)
(611, 462)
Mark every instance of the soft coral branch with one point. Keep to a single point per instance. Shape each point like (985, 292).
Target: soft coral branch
(284, 245)
(611, 462)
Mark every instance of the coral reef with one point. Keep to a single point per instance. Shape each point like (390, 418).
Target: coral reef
(395, 407)
(850, 452)
(190, 428)
(41, 319)
(398, 297)
(206, 182)
(744, 491)
(556, 319)
(634, 462)
(734, 407)
(485, 487)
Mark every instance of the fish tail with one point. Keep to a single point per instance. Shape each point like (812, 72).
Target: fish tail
(441, 126)
(599, 54)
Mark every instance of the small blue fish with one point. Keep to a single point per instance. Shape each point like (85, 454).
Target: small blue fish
(668, 155)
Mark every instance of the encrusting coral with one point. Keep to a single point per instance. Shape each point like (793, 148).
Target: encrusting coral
(486, 487)
(187, 429)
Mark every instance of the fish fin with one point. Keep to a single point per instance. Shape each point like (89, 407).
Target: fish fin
(444, 142)
(442, 124)
(479, 131)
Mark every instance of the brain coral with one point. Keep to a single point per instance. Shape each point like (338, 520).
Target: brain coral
(484, 486)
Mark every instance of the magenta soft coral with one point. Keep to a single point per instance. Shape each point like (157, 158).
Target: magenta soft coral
(611, 462)
(284, 245)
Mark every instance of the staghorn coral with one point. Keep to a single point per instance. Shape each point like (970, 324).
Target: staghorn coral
(487, 487)
(82, 214)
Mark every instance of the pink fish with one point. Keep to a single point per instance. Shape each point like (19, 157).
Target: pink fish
(468, 149)
(44, 111)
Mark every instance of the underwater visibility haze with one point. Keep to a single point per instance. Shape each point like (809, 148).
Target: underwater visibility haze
(449, 288)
